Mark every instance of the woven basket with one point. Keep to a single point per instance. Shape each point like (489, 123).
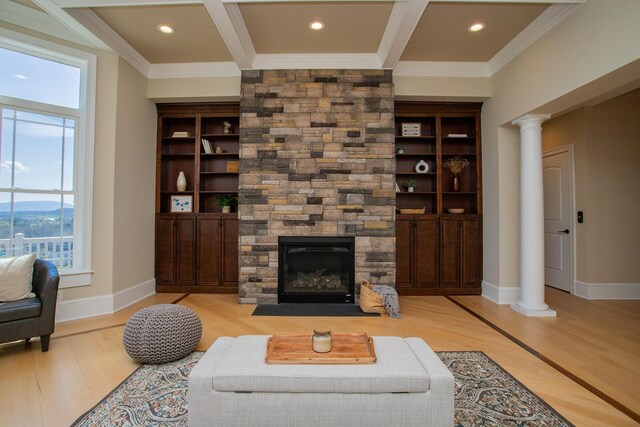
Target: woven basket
(370, 302)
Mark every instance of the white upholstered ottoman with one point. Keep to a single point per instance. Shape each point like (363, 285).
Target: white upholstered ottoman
(232, 386)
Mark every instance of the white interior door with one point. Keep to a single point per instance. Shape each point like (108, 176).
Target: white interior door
(558, 219)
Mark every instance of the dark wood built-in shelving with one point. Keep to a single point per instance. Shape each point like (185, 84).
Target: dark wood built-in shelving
(439, 253)
(196, 251)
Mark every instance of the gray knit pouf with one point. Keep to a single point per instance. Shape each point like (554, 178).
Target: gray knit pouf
(162, 333)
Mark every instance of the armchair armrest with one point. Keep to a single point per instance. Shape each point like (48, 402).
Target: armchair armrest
(45, 283)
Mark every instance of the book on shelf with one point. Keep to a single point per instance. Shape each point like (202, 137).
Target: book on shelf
(457, 135)
(180, 135)
(206, 146)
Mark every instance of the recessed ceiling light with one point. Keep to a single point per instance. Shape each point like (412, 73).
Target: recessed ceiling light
(476, 27)
(167, 29)
(316, 25)
(20, 76)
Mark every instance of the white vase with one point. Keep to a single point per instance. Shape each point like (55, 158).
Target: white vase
(226, 209)
(410, 189)
(181, 184)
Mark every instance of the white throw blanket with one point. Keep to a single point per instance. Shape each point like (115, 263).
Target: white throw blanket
(390, 300)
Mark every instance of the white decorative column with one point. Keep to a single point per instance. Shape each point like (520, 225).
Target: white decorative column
(531, 301)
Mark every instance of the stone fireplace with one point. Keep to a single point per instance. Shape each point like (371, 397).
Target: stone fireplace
(316, 160)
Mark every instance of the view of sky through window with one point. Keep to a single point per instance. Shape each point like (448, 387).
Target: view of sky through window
(37, 79)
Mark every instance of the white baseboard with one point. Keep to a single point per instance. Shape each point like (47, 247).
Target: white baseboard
(133, 294)
(84, 307)
(607, 290)
(105, 304)
(500, 294)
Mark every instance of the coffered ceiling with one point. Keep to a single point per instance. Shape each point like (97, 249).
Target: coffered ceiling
(223, 36)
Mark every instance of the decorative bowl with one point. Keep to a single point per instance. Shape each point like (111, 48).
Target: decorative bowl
(456, 210)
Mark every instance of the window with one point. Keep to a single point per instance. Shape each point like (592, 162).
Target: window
(46, 153)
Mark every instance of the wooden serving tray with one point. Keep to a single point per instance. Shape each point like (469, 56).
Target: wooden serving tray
(346, 349)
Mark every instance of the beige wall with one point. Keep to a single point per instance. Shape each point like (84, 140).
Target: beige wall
(134, 181)
(405, 87)
(194, 89)
(607, 159)
(613, 168)
(442, 88)
(597, 39)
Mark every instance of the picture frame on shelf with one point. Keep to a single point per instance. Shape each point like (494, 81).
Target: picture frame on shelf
(411, 129)
(181, 203)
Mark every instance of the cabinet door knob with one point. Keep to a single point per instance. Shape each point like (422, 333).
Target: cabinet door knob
(565, 231)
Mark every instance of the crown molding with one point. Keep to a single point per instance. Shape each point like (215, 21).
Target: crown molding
(548, 19)
(97, 26)
(193, 70)
(441, 69)
(233, 31)
(316, 61)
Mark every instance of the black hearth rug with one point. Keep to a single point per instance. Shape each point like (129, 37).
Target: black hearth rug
(315, 310)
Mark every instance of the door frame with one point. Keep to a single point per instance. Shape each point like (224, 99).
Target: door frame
(572, 206)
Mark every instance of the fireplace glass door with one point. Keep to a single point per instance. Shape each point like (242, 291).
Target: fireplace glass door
(316, 269)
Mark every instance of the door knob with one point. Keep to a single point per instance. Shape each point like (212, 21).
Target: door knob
(566, 231)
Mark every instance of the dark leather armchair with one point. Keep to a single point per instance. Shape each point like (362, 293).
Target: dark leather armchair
(33, 317)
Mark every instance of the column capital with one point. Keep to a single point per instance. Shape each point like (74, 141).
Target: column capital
(530, 119)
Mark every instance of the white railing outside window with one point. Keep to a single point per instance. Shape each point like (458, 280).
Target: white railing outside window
(58, 250)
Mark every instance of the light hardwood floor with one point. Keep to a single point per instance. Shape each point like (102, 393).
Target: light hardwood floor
(596, 341)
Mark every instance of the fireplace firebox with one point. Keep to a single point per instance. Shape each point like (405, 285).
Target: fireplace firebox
(316, 270)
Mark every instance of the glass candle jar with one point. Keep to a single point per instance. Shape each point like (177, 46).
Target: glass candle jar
(321, 340)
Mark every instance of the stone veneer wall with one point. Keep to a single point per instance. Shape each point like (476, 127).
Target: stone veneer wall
(316, 159)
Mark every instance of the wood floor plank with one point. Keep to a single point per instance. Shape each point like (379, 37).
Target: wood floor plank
(598, 341)
(87, 360)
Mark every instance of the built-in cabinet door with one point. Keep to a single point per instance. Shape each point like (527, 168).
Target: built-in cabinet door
(186, 251)
(165, 250)
(470, 252)
(209, 251)
(404, 253)
(426, 252)
(450, 252)
(229, 252)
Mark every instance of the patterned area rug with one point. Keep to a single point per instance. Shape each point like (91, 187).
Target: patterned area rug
(485, 395)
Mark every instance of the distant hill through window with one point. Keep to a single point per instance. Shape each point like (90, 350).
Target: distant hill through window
(36, 206)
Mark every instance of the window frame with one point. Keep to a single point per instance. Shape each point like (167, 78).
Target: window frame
(80, 274)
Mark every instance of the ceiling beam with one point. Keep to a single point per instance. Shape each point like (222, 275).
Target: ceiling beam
(65, 19)
(402, 22)
(109, 37)
(37, 20)
(114, 3)
(233, 30)
(396, 1)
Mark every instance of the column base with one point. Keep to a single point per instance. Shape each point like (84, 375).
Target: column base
(533, 313)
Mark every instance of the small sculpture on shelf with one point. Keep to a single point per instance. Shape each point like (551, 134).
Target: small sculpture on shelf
(410, 184)
(456, 165)
(422, 167)
(226, 128)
